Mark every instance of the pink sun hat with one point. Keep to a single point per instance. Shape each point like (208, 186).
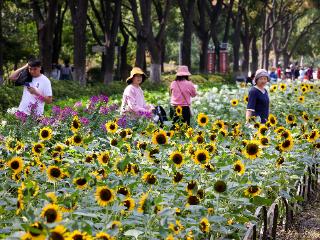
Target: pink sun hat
(183, 71)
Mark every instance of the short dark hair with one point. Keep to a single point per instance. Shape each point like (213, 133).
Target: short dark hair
(181, 78)
(34, 63)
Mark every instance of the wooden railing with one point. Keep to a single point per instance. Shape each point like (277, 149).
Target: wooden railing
(281, 211)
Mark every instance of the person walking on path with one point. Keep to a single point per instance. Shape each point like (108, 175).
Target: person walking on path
(37, 92)
(181, 91)
(133, 102)
(258, 102)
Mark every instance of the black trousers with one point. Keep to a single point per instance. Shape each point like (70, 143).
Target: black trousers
(186, 115)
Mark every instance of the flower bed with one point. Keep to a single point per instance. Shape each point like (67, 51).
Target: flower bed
(85, 172)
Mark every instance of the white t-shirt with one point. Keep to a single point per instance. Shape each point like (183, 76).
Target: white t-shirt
(43, 84)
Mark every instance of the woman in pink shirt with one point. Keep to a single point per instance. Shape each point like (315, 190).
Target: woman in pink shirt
(181, 91)
(133, 102)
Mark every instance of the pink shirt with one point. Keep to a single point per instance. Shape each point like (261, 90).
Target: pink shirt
(187, 89)
(133, 100)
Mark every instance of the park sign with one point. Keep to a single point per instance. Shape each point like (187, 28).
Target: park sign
(98, 49)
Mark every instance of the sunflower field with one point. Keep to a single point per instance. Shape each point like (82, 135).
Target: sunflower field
(85, 172)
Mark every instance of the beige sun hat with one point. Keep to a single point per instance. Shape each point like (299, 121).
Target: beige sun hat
(134, 71)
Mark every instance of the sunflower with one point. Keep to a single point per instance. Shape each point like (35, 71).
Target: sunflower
(218, 124)
(202, 119)
(177, 177)
(104, 195)
(201, 156)
(282, 87)
(273, 88)
(238, 167)
(189, 132)
(104, 158)
(129, 204)
(211, 148)
(123, 191)
(123, 133)
(252, 149)
(290, 118)
(264, 141)
(19, 146)
(52, 197)
(75, 124)
(178, 111)
(54, 173)
(143, 203)
(279, 161)
(51, 213)
(149, 178)
(103, 236)
(45, 133)
(209, 167)
(81, 183)
(16, 164)
(176, 227)
(198, 139)
(78, 235)
(220, 186)
(111, 126)
(234, 102)
(272, 120)
(285, 133)
(2, 164)
(76, 140)
(313, 136)
(170, 237)
(160, 137)
(286, 145)
(32, 189)
(36, 232)
(58, 233)
(301, 99)
(177, 158)
(263, 130)
(252, 191)
(305, 116)
(204, 225)
(11, 144)
(37, 148)
(246, 98)
(193, 200)
(191, 187)
(304, 89)
(20, 205)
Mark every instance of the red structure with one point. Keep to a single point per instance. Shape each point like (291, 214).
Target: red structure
(223, 61)
(211, 61)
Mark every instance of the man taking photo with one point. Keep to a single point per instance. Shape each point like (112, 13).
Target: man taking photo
(37, 92)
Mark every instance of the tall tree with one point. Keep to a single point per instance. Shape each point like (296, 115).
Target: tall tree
(62, 9)
(187, 8)
(79, 10)
(236, 36)
(108, 18)
(145, 33)
(202, 27)
(44, 13)
(1, 44)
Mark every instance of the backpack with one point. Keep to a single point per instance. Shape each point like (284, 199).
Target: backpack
(161, 115)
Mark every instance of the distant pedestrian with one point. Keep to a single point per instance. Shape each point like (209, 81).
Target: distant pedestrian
(66, 71)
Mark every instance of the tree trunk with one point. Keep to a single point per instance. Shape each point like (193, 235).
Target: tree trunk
(58, 33)
(155, 72)
(286, 59)
(1, 44)
(236, 40)
(79, 19)
(203, 55)
(141, 52)
(254, 54)
(246, 55)
(188, 15)
(108, 64)
(124, 67)
(163, 54)
(45, 25)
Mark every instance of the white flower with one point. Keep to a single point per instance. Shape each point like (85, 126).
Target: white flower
(12, 110)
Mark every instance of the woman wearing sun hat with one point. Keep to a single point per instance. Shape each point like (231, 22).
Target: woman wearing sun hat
(258, 102)
(133, 99)
(181, 91)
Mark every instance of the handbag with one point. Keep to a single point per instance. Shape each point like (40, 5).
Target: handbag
(24, 76)
(191, 112)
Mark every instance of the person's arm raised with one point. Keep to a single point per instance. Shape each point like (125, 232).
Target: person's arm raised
(14, 75)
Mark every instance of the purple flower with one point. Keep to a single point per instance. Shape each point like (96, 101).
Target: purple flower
(77, 104)
(104, 110)
(67, 111)
(21, 116)
(145, 114)
(104, 98)
(122, 122)
(113, 107)
(103, 127)
(84, 120)
(56, 110)
(47, 121)
(94, 100)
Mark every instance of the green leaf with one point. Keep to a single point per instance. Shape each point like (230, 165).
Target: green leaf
(133, 232)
